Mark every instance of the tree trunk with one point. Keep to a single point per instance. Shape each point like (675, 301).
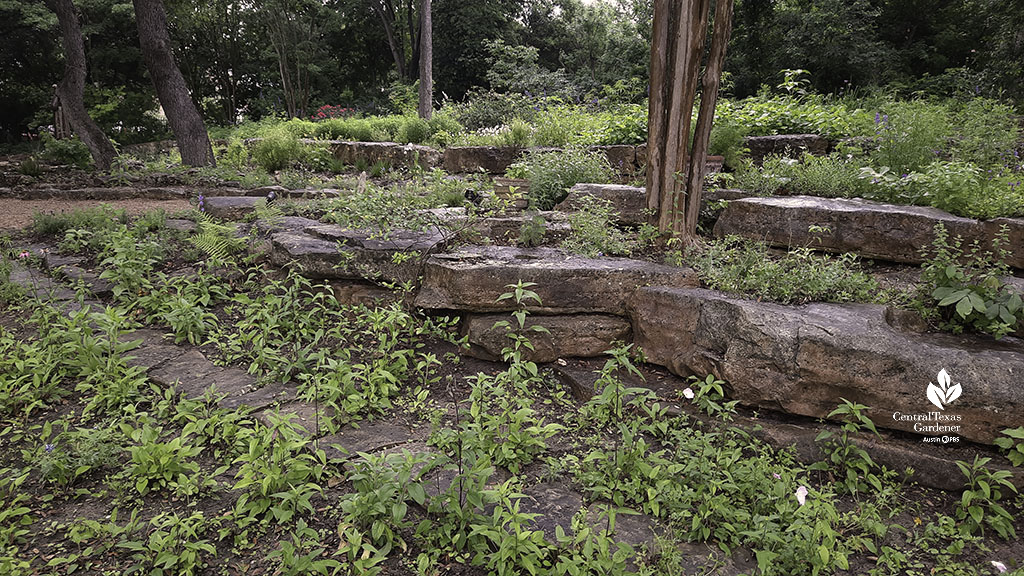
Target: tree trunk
(675, 163)
(386, 10)
(71, 90)
(185, 121)
(426, 107)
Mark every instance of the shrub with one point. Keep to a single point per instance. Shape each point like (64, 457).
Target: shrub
(413, 130)
(564, 125)
(278, 150)
(831, 176)
(552, 173)
(910, 135)
(67, 151)
(727, 141)
(103, 217)
(625, 125)
(987, 133)
(485, 109)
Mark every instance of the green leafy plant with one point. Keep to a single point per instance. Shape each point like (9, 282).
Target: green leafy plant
(979, 505)
(965, 290)
(853, 464)
(1013, 444)
(734, 264)
(160, 465)
(593, 232)
(173, 546)
(552, 173)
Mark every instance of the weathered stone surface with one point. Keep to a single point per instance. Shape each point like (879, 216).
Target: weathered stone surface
(490, 159)
(803, 359)
(789, 145)
(352, 293)
(261, 397)
(506, 230)
(622, 157)
(329, 251)
(581, 335)
(302, 415)
(397, 155)
(870, 229)
(629, 201)
(369, 437)
(473, 278)
(557, 504)
(180, 225)
(188, 373)
(230, 207)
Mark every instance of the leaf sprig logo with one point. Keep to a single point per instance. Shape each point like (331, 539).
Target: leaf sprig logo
(944, 393)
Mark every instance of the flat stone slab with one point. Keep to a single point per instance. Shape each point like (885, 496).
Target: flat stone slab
(189, 373)
(803, 359)
(394, 154)
(507, 230)
(556, 503)
(629, 201)
(299, 413)
(473, 278)
(474, 159)
(328, 251)
(260, 397)
(869, 229)
(230, 207)
(369, 437)
(580, 335)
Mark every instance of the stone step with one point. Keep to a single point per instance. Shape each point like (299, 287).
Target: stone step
(472, 278)
(803, 359)
(868, 229)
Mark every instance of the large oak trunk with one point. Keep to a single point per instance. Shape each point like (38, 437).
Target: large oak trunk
(71, 89)
(185, 121)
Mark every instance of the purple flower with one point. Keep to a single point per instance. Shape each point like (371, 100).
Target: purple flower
(49, 448)
(202, 203)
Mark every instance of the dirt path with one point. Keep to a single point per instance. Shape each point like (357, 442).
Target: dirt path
(17, 214)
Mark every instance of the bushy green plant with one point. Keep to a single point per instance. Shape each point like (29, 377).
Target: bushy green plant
(964, 288)
(278, 150)
(765, 114)
(910, 135)
(1012, 444)
(735, 264)
(987, 132)
(103, 217)
(592, 230)
(413, 130)
(68, 151)
(552, 173)
(727, 141)
(979, 505)
(566, 125)
(626, 124)
(30, 167)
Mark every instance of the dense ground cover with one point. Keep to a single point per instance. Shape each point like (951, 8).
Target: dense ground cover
(106, 472)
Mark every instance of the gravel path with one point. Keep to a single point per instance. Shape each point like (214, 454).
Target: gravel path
(17, 214)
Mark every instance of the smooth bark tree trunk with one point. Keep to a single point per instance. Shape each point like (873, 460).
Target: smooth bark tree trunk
(426, 107)
(675, 160)
(186, 123)
(71, 89)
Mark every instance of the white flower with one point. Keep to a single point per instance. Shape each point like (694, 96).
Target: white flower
(688, 394)
(801, 495)
(999, 566)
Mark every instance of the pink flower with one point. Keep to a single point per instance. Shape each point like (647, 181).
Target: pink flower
(999, 566)
(776, 475)
(24, 255)
(688, 394)
(801, 495)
